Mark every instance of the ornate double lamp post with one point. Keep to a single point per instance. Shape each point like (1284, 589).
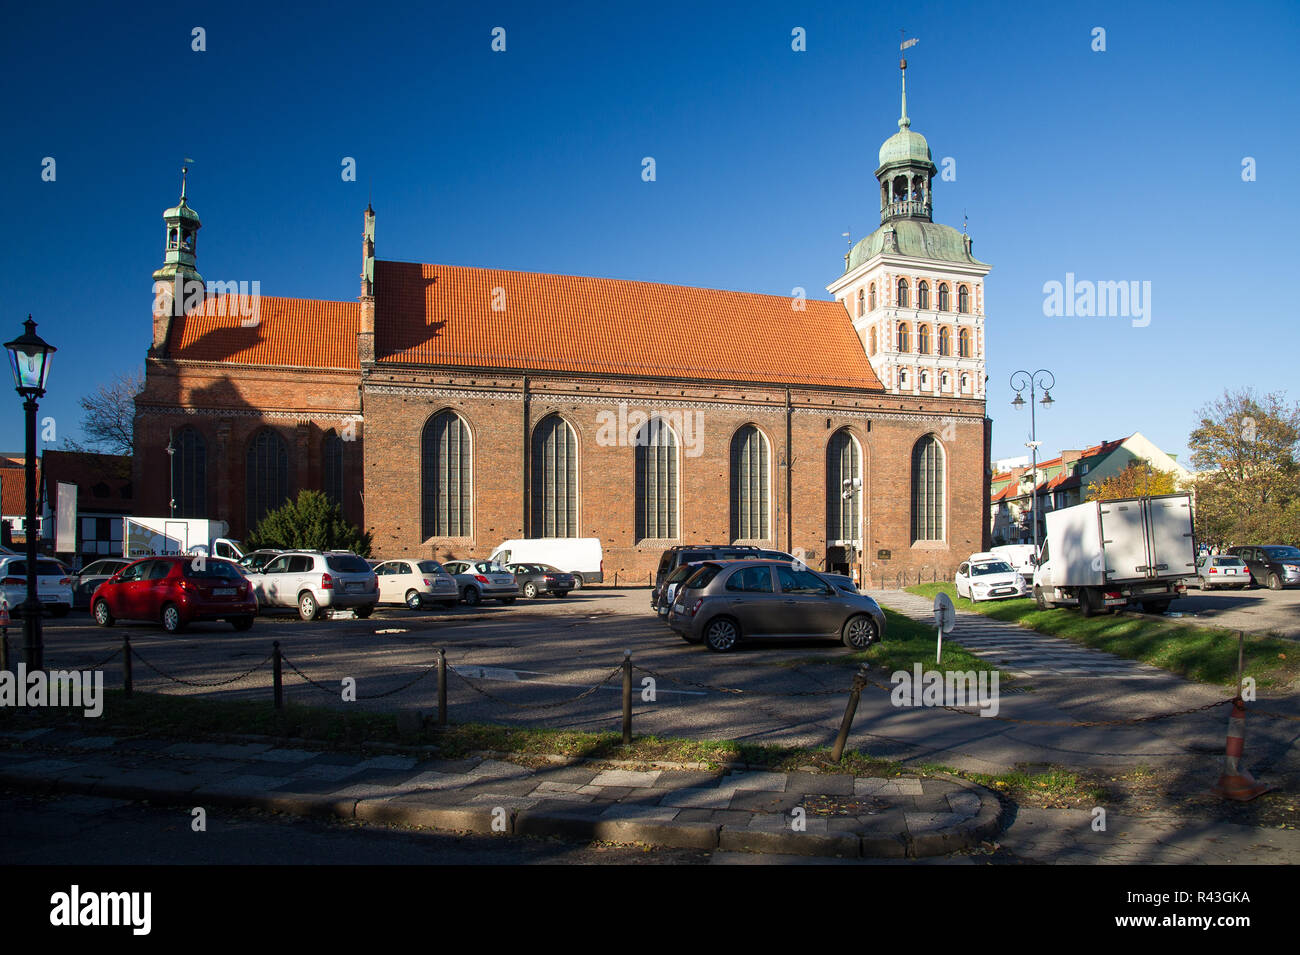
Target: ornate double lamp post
(1042, 378)
(29, 359)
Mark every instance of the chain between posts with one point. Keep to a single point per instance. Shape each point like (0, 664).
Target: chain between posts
(617, 671)
(197, 683)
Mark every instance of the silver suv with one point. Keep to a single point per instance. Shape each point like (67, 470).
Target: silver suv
(313, 581)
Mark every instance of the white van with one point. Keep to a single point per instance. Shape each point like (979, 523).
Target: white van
(580, 556)
(1019, 556)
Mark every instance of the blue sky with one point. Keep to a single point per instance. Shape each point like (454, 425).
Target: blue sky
(1123, 165)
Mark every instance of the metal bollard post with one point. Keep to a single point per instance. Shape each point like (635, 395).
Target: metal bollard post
(278, 676)
(859, 681)
(627, 697)
(128, 683)
(442, 687)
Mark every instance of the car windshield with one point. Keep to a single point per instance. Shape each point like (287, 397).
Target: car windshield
(1281, 553)
(682, 573)
(1227, 561)
(210, 569)
(44, 568)
(488, 567)
(431, 567)
(992, 567)
(346, 564)
(700, 579)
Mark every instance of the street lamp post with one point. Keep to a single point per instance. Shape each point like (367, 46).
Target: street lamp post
(29, 359)
(171, 475)
(1042, 378)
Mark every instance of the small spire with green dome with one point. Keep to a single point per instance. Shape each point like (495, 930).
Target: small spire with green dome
(180, 255)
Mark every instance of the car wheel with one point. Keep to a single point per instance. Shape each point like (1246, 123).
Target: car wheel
(242, 623)
(308, 609)
(103, 616)
(1274, 582)
(413, 600)
(530, 590)
(859, 632)
(577, 581)
(471, 596)
(171, 618)
(364, 612)
(721, 634)
(1039, 599)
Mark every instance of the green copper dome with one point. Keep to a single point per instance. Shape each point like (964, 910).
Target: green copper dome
(905, 146)
(181, 211)
(916, 238)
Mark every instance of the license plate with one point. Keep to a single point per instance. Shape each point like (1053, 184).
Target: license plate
(354, 587)
(224, 592)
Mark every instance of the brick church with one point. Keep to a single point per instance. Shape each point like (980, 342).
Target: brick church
(450, 408)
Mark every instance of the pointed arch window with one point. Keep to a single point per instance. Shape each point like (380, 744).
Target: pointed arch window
(963, 343)
(189, 473)
(927, 490)
(945, 341)
(446, 468)
(862, 303)
(267, 475)
(750, 485)
(331, 454)
(843, 487)
(904, 343)
(923, 340)
(555, 479)
(963, 299)
(943, 296)
(902, 293)
(923, 295)
(656, 481)
(872, 297)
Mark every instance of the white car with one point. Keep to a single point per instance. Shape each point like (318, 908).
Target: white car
(985, 577)
(416, 583)
(479, 579)
(1221, 570)
(53, 584)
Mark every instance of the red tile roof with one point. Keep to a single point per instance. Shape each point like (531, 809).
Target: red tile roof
(305, 333)
(13, 489)
(443, 315)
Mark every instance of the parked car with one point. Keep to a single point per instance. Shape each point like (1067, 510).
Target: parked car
(1272, 565)
(1221, 570)
(314, 581)
(534, 579)
(479, 579)
(87, 580)
(53, 584)
(582, 557)
(723, 604)
(661, 599)
(415, 583)
(176, 591)
(986, 577)
(675, 556)
(256, 561)
(842, 582)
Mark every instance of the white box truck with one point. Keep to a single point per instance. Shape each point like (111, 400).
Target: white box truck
(163, 536)
(1102, 555)
(581, 556)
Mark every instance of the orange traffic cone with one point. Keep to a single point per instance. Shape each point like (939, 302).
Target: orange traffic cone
(1236, 782)
(4, 613)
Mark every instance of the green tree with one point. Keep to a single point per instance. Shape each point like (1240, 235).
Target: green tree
(309, 523)
(1136, 480)
(1246, 449)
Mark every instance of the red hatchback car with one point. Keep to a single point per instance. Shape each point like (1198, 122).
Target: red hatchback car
(176, 591)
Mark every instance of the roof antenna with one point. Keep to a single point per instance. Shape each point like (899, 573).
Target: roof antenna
(184, 169)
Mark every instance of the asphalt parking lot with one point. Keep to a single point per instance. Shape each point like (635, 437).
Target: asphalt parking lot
(1260, 610)
(535, 663)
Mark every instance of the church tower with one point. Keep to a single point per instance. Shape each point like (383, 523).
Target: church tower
(180, 264)
(912, 287)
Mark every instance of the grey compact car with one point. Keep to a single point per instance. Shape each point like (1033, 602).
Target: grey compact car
(724, 603)
(314, 581)
(91, 576)
(480, 579)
